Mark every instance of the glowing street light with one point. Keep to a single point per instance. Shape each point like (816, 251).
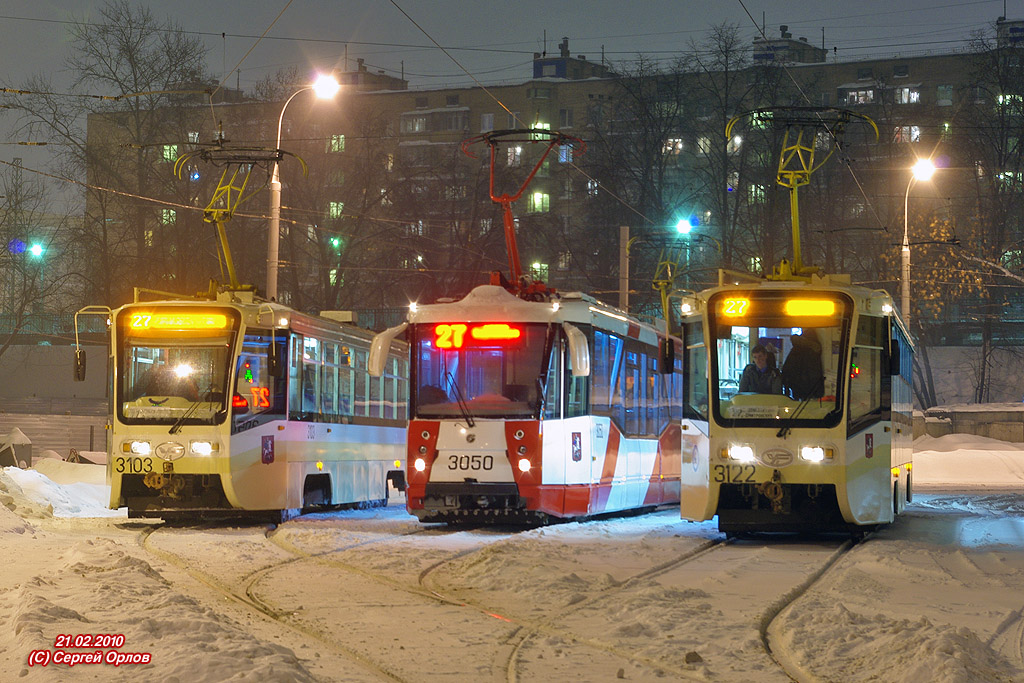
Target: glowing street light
(325, 86)
(924, 169)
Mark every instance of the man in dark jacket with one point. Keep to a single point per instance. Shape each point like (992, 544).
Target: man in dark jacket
(761, 376)
(802, 375)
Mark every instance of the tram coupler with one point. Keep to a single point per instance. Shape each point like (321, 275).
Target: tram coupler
(167, 484)
(772, 490)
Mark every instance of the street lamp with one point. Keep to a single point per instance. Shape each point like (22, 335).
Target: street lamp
(325, 87)
(922, 170)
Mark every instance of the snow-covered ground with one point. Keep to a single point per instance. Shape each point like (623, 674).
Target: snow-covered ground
(372, 595)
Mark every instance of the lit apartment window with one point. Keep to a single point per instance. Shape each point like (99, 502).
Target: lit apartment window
(539, 271)
(704, 144)
(193, 136)
(908, 95)
(336, 209)
(485, 225)
(592, 188)
(907, 134)
(336, 143)
(515, 155)
(539, 202)
(414, 123)
(756, 193)
(418, 228)
(168, 216)
(564, 260)
(169, 152)
(486, 123)
(455, 192)
(865, 96)
(673, 146)
(147, 238)
(755, 264)
(734, 144)
(565, 154)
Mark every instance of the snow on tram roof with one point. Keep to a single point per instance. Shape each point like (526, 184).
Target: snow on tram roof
(491, 303)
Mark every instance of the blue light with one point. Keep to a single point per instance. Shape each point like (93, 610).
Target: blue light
(195, 175)
(16, 246)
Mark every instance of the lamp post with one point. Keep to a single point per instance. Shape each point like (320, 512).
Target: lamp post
(325, 87)
(922, 170)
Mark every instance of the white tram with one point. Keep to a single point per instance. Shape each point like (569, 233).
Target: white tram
(830, 454)
(523, 411)
(243, 405)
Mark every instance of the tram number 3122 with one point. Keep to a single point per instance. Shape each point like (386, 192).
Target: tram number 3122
(734, 474)
(470, 462)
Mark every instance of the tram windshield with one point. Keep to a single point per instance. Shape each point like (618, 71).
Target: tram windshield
(488, 370)
(778, 356)
(168, 376)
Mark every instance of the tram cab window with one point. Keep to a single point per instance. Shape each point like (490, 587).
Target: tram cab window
(609, 361)
(810, 333)
(552, 385)
(576, 403)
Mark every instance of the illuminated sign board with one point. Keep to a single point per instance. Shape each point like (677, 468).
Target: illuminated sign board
(178, 321)
(758, 307)
(458, 335)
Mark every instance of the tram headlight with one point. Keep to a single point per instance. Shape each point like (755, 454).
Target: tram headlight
(139, 447)
(202, 447)
(524, 465)
(420, 464)
(812, 453)
(742, 453)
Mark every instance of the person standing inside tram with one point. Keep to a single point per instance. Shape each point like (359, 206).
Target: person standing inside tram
(761, 376)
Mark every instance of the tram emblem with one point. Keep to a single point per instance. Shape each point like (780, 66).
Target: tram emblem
(776, 457)
(869, 445)
(577, 446)
(267, 450)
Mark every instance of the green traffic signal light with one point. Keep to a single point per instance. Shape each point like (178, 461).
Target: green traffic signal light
(36, 250)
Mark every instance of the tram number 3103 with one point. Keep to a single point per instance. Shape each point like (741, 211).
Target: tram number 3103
(470, 462)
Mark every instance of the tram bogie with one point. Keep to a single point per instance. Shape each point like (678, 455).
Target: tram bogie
(529, 411)
(243, 406)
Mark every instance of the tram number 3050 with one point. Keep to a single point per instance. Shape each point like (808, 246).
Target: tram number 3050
(734, 474)
(470, 462)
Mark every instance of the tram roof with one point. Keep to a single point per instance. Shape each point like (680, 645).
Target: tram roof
(492, 303)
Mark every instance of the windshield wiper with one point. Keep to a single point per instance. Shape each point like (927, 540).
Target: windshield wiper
(788, 424)
(463, 408)
(191, 409)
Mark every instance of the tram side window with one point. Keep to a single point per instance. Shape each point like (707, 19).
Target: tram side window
(695, 395)
(651, 382)
(374, 407)
(394, 389)
(360, 389)
(257, 392)
(608, 370)
(346, 383)
(575, 388)
(310, 378)
(631, 393)
(329, 390)
(552, 386)
(295, 377)
(867, 393)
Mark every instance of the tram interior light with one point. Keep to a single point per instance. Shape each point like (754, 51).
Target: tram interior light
(420, 464)
(812, 453)
(741, 452)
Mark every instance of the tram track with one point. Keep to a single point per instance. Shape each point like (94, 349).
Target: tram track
(245, 596)
(780, 655)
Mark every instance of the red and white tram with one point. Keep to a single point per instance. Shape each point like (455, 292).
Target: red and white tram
(523, 411)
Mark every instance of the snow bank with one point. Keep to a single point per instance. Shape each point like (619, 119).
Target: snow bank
(78, 496)
(966, 460)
